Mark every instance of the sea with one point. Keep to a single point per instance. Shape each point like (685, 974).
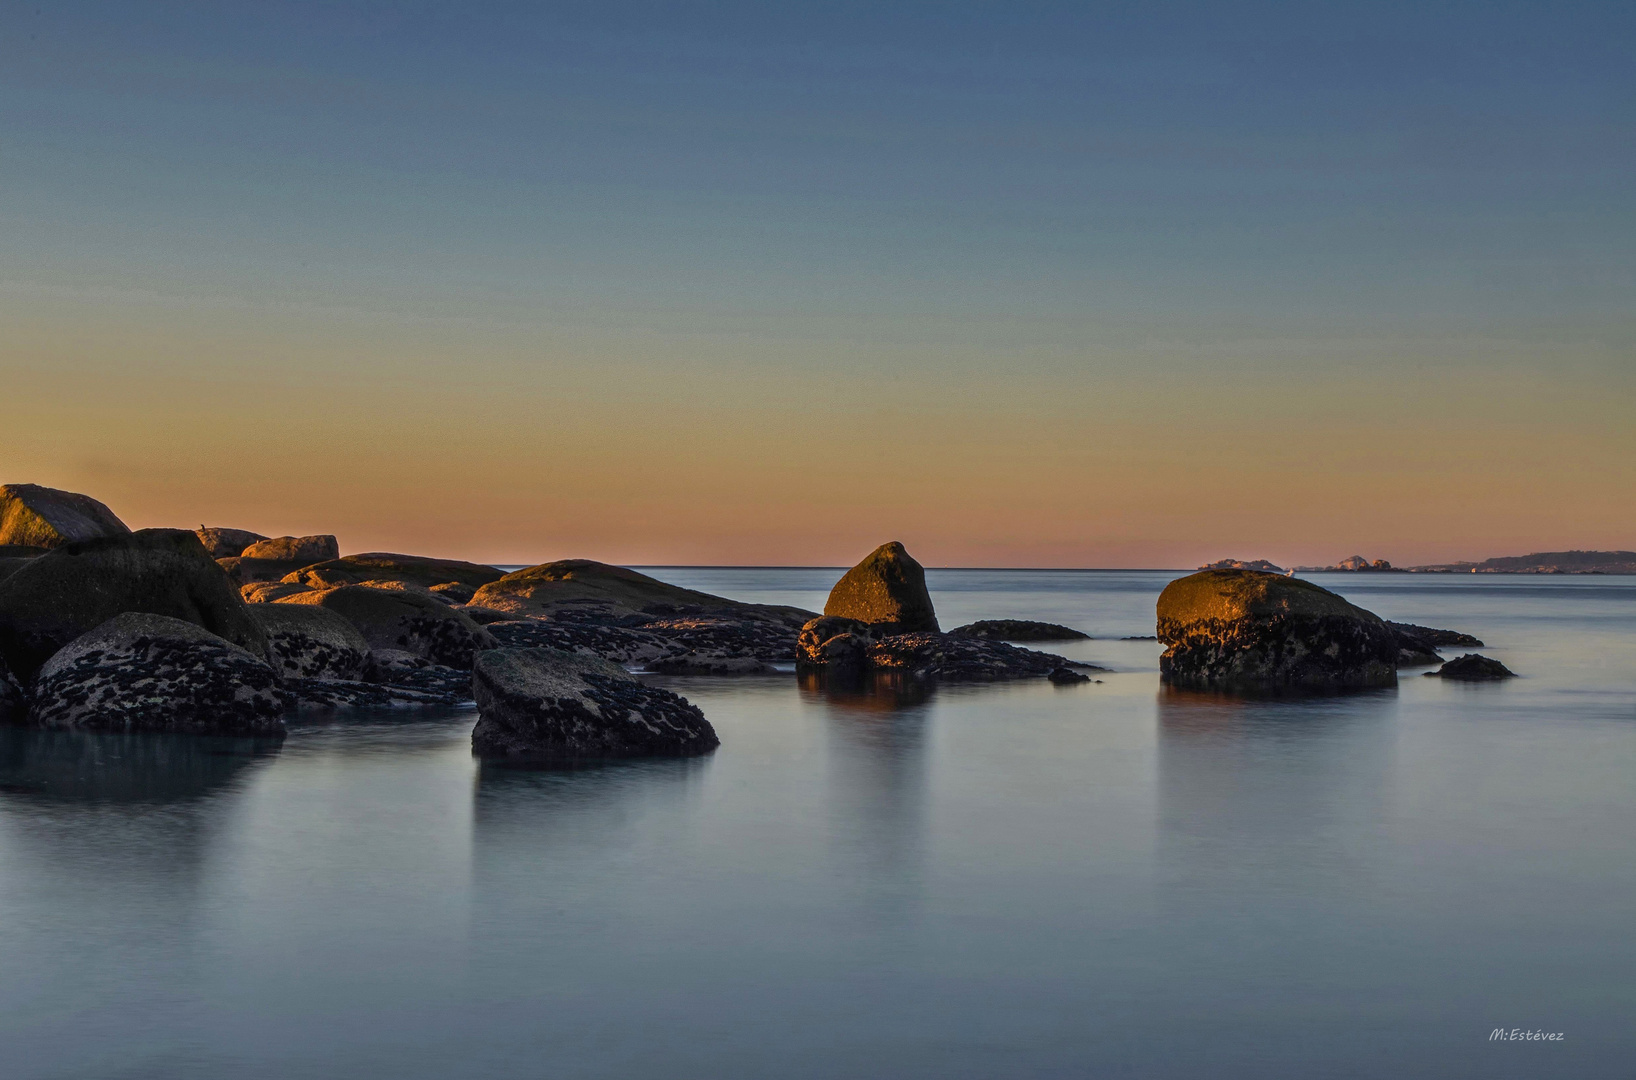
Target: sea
(1020, 880)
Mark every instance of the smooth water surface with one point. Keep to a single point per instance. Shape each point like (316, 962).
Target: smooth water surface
(1024, 881)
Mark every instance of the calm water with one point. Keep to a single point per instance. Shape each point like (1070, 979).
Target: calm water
(1018, 881)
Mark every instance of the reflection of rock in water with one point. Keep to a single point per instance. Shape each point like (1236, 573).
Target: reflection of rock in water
(869, 691)
(1257, 790)
(102, 767)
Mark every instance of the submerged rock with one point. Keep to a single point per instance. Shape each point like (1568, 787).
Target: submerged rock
(141, 672)
(1018, 630)
(42, 517)
(226, 543)
(550, 706)
(309, 642)
(304, 550)
(388, 566)
(1473, 667)
(887, 588)
(79, 586)
(1240, 629)
(406, 621)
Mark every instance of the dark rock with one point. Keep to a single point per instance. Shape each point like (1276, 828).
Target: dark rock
(715, 646)
(142, 672)
(79, 586)
(1140, 637)
(483, 616)
(304, 550)
(976, 660)
(243, 571)
(580, 590)
(458, 591)
(835, 643)
(1067, 677)
(616, 644)
(35, 516)
(226, 543)
(1473, 667)
(916, 656)
(549, 706)
(271, 592)
(1426, 636)
(387, 566)
(847, 646)
(887, 588)
(13, 705)
(21, 551)
(406, 621)
(1239, 629)
(1018, 630)
(309, 642)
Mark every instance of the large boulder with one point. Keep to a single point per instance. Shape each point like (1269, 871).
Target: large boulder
(888, 588)
(546, 705)
(226, 543)
(385, 566)
(305, 641)
(1241, 629)
(588, 591)
(37, 516)
(141, 672)
(54, 599)
(304, 550)
(406, 622)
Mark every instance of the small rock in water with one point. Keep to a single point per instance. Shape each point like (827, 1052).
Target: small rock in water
(1473, 667)
(141, 672)
(1067, 676)
(549, 706)
(1018, 630)
(888, 587)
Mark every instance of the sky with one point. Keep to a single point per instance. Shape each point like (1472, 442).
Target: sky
(1016, 284)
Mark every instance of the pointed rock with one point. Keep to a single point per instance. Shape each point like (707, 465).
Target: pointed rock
(888, 589)
(35, 516)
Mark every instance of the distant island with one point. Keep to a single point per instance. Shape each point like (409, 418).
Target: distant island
(1540, 562)
(1357, 564)
(1240, 564)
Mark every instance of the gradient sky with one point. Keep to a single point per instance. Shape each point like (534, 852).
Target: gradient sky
(1017, 284)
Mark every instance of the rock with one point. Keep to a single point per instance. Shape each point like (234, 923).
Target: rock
(270, 592)
(394, 585)
(304, 550)
(977, 660)
(142, 672)
(887, 588)
(1433, 639)
(306, 641)
(1067, 677)
(675, 647)
(386, 566)
(483, 616)
(1018, 630)
(1239, 564)
(35, 516)
(13, 705)
(243, 571)
(1239, 629)
(835, 643)
(916, 656)
(226, 543)
(581, 590)
(79, 586)
(1473, 667)
(550, 706)
(697, 664)
(407, 621)
(9, 566)
(458, 591)
(21, 551)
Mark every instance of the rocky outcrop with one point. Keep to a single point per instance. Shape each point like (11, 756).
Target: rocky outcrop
(847, 647)
(305, 550)
(1067, 677)
(141, 672)
(1018, 630)
(889, 589)
(271, 592)
(404, 621)
(676, 646)
(35, 516)
(226, 543)
(305, 641)
(1473, 667)
(242, 571)
(580, 590)
(386, 566)
(1432, 639)
(1239, 629)
(549, 706)
(79, 586)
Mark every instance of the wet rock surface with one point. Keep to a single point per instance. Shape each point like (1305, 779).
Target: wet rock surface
(546, 706)
(1240, 629)
(140, 672)
(42, 517)
(887, 588)
(1474, 667)
(305, 641)
(74, 589)
(423, 627)
(1018, 630)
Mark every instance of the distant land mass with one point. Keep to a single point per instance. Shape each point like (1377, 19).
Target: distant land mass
(1241, 564)
(1357, 564)
(1542, 562)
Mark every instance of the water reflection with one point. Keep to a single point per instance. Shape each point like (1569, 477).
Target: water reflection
(874, 692)
(100, 767)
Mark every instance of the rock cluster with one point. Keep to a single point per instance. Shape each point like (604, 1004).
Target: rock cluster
(1240, 629)
(547, 706)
